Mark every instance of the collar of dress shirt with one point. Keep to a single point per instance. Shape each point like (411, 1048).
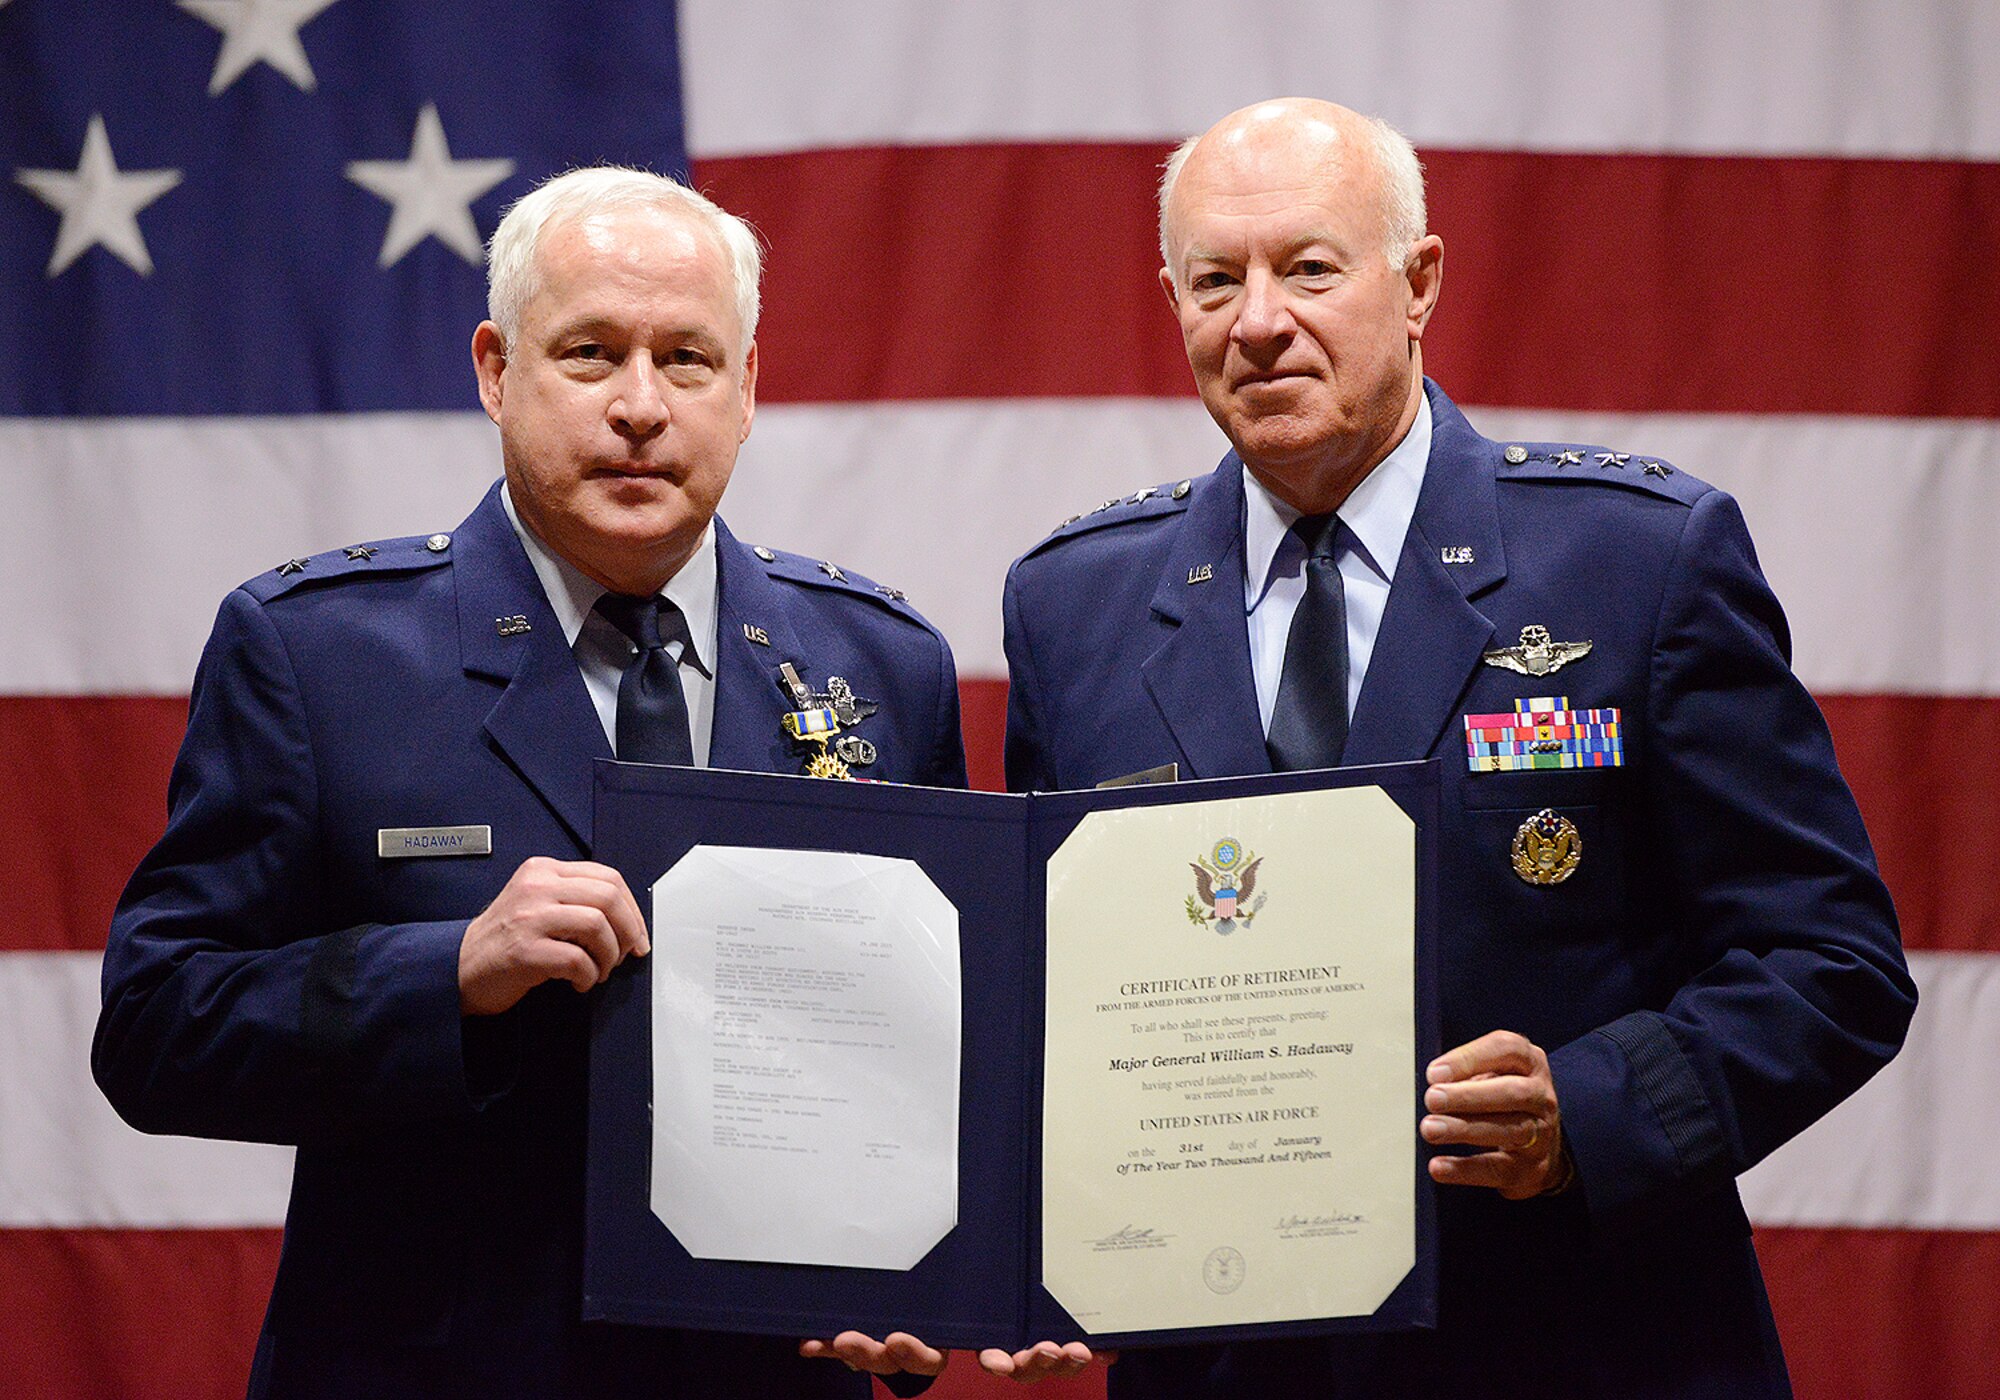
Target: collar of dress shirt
(573, 595)
(1377, 513)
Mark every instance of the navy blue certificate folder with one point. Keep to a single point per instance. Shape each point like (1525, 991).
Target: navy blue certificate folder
(988, 852)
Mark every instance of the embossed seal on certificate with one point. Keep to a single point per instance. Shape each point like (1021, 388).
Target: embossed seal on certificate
(1223, 1270)
(1224, 881)
(1547, 848)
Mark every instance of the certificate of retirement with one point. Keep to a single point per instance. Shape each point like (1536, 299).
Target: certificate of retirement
(1229, 1092)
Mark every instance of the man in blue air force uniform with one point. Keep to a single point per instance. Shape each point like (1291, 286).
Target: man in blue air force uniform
(368, 924)
(1665, 949)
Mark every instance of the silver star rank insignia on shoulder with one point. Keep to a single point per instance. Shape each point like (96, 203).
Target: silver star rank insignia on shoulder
(1536, 655)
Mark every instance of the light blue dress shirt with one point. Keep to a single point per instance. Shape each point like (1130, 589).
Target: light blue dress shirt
(601, 650)
(1376, 515)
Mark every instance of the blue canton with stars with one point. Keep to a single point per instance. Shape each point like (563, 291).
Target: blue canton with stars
(277, 206)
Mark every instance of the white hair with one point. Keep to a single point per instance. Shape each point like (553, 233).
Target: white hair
(600, 189)
(1403, 216)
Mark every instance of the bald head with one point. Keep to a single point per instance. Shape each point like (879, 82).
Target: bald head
(1302, 279)
(1292, 142)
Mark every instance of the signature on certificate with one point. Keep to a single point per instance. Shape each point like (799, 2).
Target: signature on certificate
(1132, 1237)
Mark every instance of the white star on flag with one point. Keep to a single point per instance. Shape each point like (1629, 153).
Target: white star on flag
(258, 30)
(98, 202)
(431, 192)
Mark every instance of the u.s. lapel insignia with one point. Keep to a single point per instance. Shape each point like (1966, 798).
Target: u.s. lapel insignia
(753, 633)
(513, 625)
(1201, 573)
(1546, 849)
(1456, 554)
(1536, 655)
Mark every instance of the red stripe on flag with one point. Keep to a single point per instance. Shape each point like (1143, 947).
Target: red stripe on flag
(87, 776)
(1885, 1314)
(137, 1314)
(983, 712)
(86, 784)
(1730, 284)
(995, 271)
(1922, 770)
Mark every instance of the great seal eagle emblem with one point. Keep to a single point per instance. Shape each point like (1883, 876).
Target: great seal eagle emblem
(1225, 883)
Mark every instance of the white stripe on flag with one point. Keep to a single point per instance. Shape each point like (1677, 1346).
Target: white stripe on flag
(1873, 531)
(66, 1160)
(1812, 77)
(1910, 1150)
(1914, 1148)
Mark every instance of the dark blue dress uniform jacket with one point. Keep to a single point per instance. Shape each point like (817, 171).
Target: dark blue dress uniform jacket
(269, 977)
(1722, 968)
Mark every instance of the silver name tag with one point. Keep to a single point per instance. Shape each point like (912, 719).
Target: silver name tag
(408, 842)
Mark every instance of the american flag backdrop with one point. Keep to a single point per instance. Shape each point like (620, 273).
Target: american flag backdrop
(240, 268)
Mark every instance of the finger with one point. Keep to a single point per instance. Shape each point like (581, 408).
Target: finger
(1075, 1356)
(1496, 1052)
(997, 1362)
(553, 960)
(1513, 1134)
(586, 870)
(863, 1352)
(604, 889)
(630, 924)
(1492, 1169)
(614, 902)
(587, 928)
(1506, 1093)
(1046, 1359)
(911, 1354)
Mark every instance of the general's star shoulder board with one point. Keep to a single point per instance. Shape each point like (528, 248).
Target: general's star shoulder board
(1543, 732)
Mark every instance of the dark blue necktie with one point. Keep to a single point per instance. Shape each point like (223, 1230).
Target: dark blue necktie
(652, 712)
(1309, 721)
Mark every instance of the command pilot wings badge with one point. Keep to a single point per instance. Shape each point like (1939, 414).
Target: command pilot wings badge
(1536, 655)
(1224, 882)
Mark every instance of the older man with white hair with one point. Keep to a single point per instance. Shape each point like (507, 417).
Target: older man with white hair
(370, 924)
(1664, 947)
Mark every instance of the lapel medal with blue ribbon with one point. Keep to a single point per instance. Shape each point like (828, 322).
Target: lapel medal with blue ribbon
(818, 720)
